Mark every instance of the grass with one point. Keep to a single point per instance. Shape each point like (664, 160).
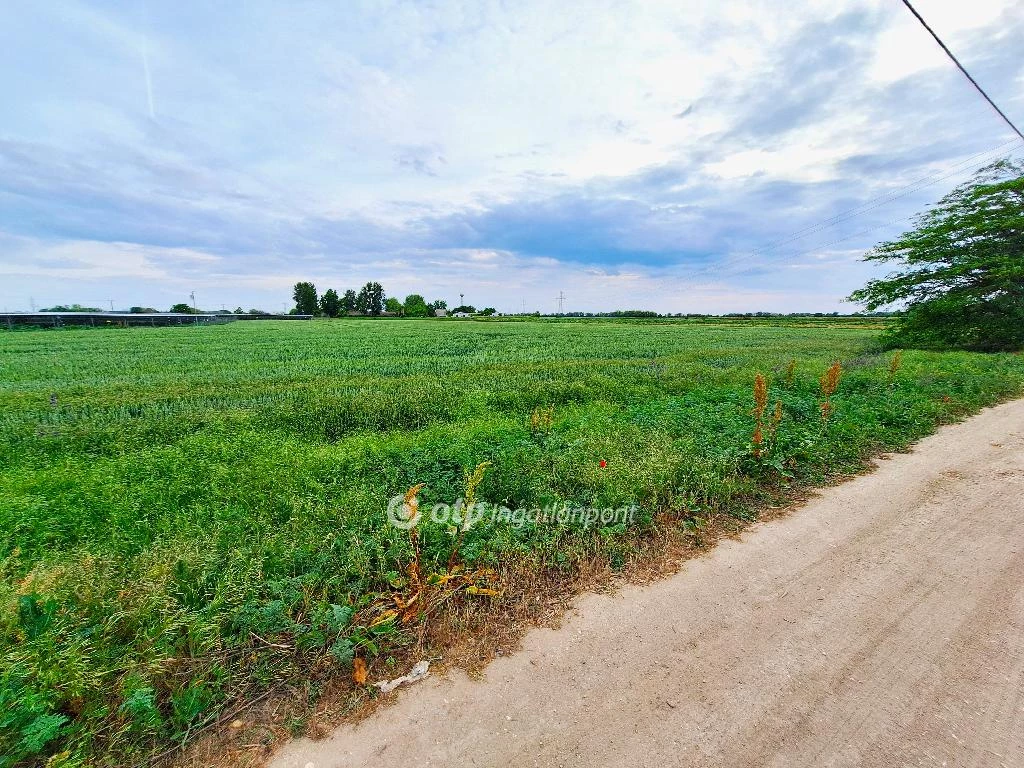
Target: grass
(189, 516)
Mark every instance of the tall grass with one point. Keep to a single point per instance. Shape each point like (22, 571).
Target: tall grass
(189, 516)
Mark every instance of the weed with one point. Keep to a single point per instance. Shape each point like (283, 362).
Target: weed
(473, 481)
(541, 419)
(895, 363)
(760, 403)
(829, 384)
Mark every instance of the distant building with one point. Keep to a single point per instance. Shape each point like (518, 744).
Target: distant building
(460, 314)
(440, 312)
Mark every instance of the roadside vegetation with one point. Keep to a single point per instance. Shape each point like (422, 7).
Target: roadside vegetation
(190, 516)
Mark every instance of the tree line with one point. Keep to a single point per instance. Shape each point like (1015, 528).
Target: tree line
(368, 300)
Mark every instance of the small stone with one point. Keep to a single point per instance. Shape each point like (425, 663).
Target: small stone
(237, 723)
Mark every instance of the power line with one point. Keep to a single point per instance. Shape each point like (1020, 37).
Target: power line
(882, 199)
(876, 202)
(781, 260)
(962, 69)
(736, 259)
(914, 186)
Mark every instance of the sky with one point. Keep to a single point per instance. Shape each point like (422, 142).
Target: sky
(674, 156)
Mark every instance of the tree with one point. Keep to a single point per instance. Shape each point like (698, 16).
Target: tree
(348, 301)
(370, 299)
(416, 306)
(330, 304)
(469, 309)
(183, 309)
(304, 295)
(488, 311)
(73, 308)
(393, 305)
(961, 276)
(438, 304)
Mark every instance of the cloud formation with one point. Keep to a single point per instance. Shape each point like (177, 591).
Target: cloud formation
(632, 154)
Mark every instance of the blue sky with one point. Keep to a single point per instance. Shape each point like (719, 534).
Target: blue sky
(639, 154)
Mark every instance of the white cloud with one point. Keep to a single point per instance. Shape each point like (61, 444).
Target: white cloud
(329, 140)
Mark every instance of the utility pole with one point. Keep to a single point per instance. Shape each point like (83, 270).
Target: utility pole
(195, 310)
(561, 302)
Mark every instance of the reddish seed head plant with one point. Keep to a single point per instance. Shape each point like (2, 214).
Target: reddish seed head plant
(829, 384)
(760, 403)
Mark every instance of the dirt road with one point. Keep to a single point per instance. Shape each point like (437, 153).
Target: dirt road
(882, 624)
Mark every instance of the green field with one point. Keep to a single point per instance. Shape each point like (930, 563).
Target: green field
(175, 503)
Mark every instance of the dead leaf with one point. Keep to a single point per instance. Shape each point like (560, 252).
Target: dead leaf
(359, 671)
(482, 591)
(386, 616)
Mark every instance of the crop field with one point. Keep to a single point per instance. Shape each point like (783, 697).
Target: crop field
(189, 516)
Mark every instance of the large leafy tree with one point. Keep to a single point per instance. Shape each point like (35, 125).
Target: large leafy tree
(348, 301)
(416, 306)
(304, 295)
(370, 299)
(330, 304)
(960, 279)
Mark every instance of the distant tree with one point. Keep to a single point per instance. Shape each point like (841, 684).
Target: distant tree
(439, 304)
(142, 310)
(469, 309)
(393, 306)
(488, 311)
(330, 304)
(630, 313)
(348, 301)
(961, 271)
(183, 309)
(416, 306)
(304, 295)
(239, 311)
(370, 299)
(72, 308)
